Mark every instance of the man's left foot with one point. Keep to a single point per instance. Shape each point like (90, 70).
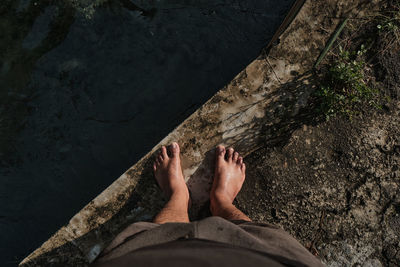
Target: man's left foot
(168, 172)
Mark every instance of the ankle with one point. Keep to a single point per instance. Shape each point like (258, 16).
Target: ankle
(180, 195)
(218, 204)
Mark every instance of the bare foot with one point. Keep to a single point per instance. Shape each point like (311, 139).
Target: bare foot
(228, 178)
(168, 172)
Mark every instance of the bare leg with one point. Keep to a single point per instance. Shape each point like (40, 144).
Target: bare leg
(168, 173)
(228, 180)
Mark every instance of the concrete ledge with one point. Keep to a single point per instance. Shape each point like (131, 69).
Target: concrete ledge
(250, 111)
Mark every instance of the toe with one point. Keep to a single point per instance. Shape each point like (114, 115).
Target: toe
(235, 156)
(240, 160)
(243, 168)
(164, 152)
(160, 158)
(230, 154)
(220, 151)
(174, 149)
(154, 166)
(220, 155)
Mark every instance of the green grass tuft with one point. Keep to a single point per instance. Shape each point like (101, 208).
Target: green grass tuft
(344, 89)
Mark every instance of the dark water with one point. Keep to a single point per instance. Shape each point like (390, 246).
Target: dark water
(85, 93)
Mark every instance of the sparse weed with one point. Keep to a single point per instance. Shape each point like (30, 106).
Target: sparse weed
(347, 86)
(344, 88)
(388, 24)
(390, 21)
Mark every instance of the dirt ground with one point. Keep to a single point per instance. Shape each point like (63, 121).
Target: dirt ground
(335, 185)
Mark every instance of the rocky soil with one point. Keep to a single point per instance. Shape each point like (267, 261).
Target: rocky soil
(335, 185)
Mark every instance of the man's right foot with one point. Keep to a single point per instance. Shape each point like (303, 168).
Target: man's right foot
(228, 178)
(168, 172)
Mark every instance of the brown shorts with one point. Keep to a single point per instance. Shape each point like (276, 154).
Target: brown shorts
(257, 237)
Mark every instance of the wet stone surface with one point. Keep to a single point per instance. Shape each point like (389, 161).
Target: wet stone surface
(87, 88)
